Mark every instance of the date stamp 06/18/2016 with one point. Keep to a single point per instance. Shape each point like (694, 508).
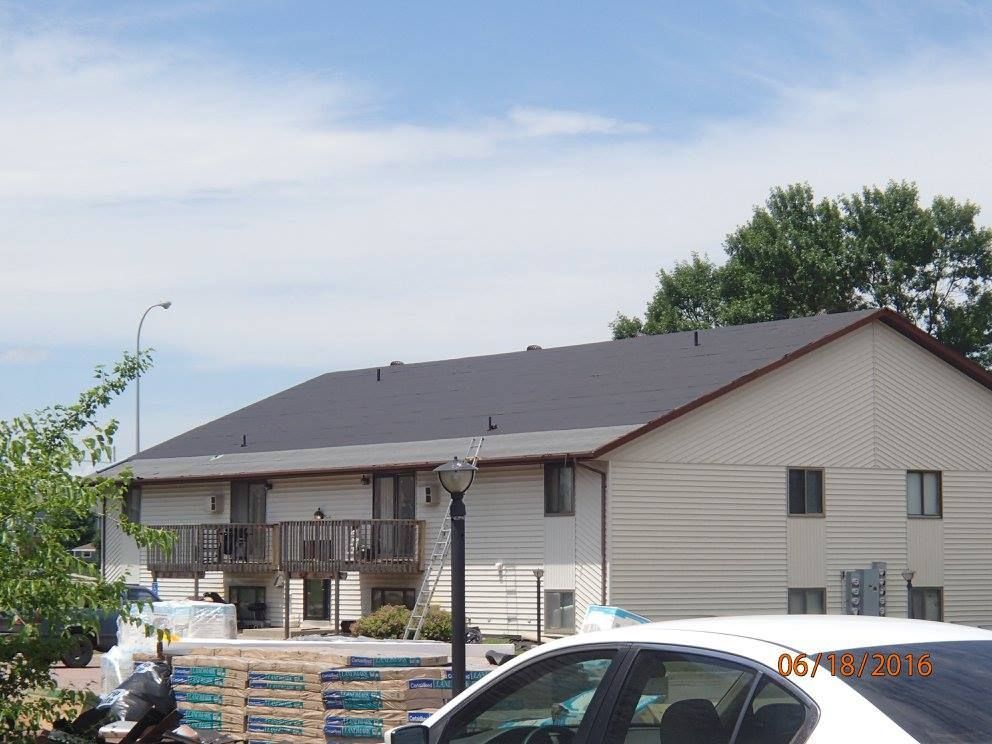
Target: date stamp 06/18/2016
(856, 664)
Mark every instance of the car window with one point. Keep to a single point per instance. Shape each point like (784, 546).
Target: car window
(673, 698)
(774, 715)
(139, 594)
(937, 692)
(544, 702)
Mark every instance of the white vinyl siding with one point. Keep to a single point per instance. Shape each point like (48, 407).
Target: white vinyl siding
(588, 540)
(690, 541)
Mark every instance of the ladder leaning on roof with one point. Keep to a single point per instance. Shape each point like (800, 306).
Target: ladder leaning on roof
(435, 567)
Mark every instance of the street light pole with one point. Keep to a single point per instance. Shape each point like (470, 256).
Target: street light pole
(137, 381)
(539, 574)
(908, 575)
(456, 477)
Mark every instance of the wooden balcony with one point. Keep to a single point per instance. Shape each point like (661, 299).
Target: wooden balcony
(235, 548)
(320, 547)
(316, 548)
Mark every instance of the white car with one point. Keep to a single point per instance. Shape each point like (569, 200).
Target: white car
(733, 680)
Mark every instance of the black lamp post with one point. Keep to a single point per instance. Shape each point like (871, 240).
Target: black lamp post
(456, 478)
(908, 575)
(539, 574)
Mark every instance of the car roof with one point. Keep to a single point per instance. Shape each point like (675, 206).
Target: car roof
(806, 633)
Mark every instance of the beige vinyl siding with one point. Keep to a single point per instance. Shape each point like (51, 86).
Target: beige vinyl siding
(689, 541)
(925, 550)
(120, 552)
(967, 526)
(929, 415)
(807, 552)
(588, 540)
(559, 553)
(815, 412)
(866, 521)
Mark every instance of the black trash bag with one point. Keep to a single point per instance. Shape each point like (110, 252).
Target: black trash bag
(473, 635)
(149, 688)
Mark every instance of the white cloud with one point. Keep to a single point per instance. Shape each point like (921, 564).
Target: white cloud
(288, 233)
(537, 122)
(23, 355)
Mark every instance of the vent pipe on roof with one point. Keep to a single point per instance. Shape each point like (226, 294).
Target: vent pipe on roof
(533, 347)
(396, 363)
(378, 375)
(695, 338)
(244, 440)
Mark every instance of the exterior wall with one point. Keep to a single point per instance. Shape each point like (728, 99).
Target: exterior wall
(505, 542)
(588, 539)
(698, 522)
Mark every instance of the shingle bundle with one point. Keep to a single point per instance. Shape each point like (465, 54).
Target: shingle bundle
(370, 695)
(210, 691)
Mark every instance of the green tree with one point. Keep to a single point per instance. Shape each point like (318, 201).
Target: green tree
(797, 256)
(43, 499)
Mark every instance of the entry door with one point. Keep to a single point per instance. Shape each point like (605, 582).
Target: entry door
(248, 503)
(248, 507)
(393, 497)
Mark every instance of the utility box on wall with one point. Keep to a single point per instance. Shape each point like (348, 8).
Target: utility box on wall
(865, 590)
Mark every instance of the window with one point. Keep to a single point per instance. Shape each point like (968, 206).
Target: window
(140, 594)
(680, 697)
(317, 599)
(923, 493)
(559, 610)
(248, 502)
(555, 692)
(559, 489)
(805, 491)
(774, 715)
(928, 603)
(950, 705)
(246, 595)
(132, 504)
(807, 602)
(401, 597)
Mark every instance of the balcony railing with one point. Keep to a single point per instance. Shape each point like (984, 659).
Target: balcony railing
(321, 547)
(316, 548)
(238, 548)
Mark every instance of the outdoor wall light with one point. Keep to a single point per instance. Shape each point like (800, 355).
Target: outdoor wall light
(319, 514)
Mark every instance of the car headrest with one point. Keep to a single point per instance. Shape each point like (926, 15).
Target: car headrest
(692, 721)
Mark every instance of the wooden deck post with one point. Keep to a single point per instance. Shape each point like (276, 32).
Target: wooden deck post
(337, 602)
(285, 605)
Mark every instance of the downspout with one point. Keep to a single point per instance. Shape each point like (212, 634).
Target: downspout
(602, 530)
(103, 541)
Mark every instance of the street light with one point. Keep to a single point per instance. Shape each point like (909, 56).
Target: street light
(456, 478)
(907, 575)
(137, 381)
(538, 574)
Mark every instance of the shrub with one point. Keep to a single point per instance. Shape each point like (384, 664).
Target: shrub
(437, 625)
(389, 621)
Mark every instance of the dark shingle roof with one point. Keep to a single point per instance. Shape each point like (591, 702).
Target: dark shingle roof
(612, 383)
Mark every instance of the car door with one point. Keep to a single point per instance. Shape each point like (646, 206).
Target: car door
(553, 699)
(672, 695)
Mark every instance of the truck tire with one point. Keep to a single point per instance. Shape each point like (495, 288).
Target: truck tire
(80, 652)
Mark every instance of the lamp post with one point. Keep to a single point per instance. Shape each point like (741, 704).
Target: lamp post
(137, 381)
(456, 478)
(539, 574)
(908, 575)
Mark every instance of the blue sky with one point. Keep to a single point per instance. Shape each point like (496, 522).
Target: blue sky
(321, 185)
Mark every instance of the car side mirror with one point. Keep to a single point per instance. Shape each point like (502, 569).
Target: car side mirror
(415, 733)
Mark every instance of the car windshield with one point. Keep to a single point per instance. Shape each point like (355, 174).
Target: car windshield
(938, 692)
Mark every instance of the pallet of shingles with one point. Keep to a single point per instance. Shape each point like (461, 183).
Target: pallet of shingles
(210, 691)
(371, 695)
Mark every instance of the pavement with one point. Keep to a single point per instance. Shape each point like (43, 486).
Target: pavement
(87, 678)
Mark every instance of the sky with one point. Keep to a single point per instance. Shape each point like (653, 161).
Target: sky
(326, 185)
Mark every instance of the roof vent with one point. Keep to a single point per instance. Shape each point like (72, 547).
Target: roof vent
(396, 363)
(533, 347)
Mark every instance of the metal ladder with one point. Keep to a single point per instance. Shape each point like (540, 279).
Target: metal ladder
(435, 567)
